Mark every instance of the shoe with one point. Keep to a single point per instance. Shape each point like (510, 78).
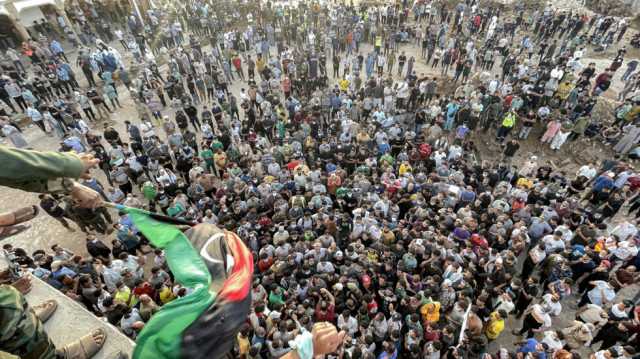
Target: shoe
(45, 310)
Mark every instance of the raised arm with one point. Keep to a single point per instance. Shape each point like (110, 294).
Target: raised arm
(48, 171)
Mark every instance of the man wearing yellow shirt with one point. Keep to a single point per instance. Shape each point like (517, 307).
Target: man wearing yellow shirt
(378, 43)
(388, 237)
(165, 294)
(404, 168)
(495, 325)
(260, 64)
(243, 343)
(220, 161)
(430, 312)
(344, 84)
(123, 295)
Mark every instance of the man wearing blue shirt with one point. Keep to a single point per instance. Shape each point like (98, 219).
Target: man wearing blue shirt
(531, 345)
(538, 229)
(74, 143)
(65, 79)
(603, 181)
(57, 50)
(36, 117)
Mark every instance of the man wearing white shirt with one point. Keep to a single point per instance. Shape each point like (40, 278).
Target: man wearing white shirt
(550, 337)
(133, 163)
(622, 178)
(575, 65)
(402, 93)
(439, 156)
(625, 250)
(557, 73)
(348, 323)
(601, 294)
(553, 243)
(381, 62)
(493, 85)
(325, 267)
(506, 89)
(522, 70)
(381, 138)
(434, 111)
(624, 230)
(552, 302)
(273, 169)
(209, 217)
(588, 171)
(502, 43)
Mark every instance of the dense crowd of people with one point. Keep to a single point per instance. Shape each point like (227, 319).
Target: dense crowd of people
(357, 190)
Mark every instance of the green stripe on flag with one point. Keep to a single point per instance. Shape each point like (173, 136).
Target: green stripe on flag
(162, 335)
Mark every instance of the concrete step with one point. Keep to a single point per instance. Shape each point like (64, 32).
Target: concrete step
(71, 321)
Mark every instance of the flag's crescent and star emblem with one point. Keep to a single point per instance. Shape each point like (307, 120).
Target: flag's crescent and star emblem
(217, 267)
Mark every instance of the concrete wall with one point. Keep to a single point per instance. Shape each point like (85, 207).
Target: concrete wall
(71, 321)
(28, 15)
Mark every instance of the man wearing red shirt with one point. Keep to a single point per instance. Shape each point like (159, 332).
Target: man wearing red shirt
(325, 309)
(265, 262)
(603, 81)
(237, 63)
(143, 287)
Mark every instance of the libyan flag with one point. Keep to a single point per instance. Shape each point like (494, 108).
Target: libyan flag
(217, 267)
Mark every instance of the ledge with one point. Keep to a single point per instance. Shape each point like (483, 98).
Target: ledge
(71, 321)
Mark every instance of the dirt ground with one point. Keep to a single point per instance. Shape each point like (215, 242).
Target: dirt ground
(43, 231)
(569, 157)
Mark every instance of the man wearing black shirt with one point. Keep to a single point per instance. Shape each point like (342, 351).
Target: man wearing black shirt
(510, 150)
(96, 248)
(402, 59)
(52, 207)
(114, 312)
(112, 136)
(589, 71)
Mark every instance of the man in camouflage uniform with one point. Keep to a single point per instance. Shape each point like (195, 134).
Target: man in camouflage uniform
(22, 333)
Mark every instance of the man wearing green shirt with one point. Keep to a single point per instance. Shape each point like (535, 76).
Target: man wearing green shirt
(176, 210)
(387, 159)
(149, 191)
(207, 155)
(216, 144)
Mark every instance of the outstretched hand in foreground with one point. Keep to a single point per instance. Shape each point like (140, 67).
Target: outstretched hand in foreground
(326, 338)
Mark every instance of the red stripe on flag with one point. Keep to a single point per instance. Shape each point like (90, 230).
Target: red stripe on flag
(237, 285)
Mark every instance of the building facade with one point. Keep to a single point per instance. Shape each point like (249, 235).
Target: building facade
(19, 17)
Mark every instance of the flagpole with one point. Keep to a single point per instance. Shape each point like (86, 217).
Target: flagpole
(135, 6)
